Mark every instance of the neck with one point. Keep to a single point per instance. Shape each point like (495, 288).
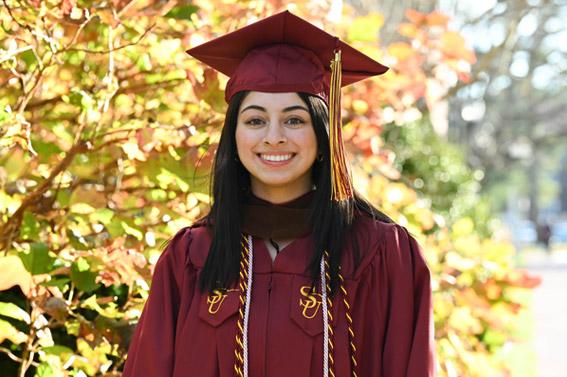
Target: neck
(279, 195)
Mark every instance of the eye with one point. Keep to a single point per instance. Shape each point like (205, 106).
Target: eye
(254, 122)
(294, 121)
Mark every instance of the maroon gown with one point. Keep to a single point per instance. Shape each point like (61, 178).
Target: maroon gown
(186, 333)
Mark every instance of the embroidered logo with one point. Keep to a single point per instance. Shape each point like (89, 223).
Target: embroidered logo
(216, 299)
(311, 302)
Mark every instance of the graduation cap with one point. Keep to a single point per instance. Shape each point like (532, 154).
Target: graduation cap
(284, 53)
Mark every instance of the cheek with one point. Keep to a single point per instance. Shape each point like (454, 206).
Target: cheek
(243, 140)
(308, 142)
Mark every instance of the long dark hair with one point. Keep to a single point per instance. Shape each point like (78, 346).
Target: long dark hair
(331, 221)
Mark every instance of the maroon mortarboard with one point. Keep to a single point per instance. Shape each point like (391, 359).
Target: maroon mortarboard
(284, 53)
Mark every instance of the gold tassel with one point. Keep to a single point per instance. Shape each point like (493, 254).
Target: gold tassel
(340, 177)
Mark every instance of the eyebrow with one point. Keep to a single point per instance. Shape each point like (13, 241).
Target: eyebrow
(287, 109)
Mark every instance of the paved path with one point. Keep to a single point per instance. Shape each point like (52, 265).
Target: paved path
(550, 311)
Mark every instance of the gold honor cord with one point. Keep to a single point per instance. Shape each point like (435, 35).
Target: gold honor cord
(243, 287)
(340, 177)
(354, 363)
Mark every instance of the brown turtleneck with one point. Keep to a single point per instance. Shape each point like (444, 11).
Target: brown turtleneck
(277, 221)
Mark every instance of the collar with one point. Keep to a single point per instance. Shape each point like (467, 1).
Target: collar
(279, 221)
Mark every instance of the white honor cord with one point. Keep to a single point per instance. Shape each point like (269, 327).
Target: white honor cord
(325, 319)
(247, 307)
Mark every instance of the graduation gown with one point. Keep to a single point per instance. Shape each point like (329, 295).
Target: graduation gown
(183, 332)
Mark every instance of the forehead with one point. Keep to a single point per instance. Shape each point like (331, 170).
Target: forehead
(272, 101)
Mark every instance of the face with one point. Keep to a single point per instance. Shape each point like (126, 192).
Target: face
(276, 142)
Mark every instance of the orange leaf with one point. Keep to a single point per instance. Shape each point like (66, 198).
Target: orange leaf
(415, 16)
(437, 18)
(453, 45)
(408, 30)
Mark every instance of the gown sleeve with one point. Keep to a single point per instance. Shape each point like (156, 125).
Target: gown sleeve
(151, 351)
(409, 345)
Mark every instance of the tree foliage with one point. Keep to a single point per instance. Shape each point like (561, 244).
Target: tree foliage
(108, 130)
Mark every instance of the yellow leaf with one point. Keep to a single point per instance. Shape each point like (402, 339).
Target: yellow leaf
(400, 50)
(366, 29)
(359, 106)
(7, 331)
(463, 227)
(13, 272)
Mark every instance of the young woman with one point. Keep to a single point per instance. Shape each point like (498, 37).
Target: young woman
(292, 273)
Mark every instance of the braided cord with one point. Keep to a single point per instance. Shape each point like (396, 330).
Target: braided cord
(247, 307)
(245, 281)
(354, 363)
(328, 318)
(325, 320)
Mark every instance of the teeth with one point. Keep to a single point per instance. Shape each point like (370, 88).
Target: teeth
(276, 158)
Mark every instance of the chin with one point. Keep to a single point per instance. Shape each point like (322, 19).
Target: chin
(279, 181)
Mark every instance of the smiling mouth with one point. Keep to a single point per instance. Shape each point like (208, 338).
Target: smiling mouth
(276, 157)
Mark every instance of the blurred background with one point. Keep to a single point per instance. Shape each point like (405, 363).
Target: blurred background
(108, 129)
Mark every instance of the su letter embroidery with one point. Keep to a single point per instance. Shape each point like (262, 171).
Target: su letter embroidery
(216, 299)
(310, 303)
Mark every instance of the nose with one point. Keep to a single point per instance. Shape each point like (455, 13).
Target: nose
(274, 134)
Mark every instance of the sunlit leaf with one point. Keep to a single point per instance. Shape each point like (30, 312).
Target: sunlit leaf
(14, 273)
(103, 215)
(401, 50)
(366, 28)
(11, 310)
(57, 350)
(9, 332)
(132, 231)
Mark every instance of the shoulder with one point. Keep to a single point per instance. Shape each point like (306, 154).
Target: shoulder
(383, 244)
(188, 246)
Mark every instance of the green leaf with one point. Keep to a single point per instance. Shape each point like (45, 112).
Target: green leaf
(15, 164)
(84, 280)
(82, 265)
(57, 350)
(4, 115)
(72, 327)
(182, 12)
(77, 240)
(115, 228)
(103, 215)
(11, 310)
(132, 231)
(38, 260)
(157, 195)
(45, 149)
(30, 228)
(44, 370)
(57, 282)
(167, 177)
